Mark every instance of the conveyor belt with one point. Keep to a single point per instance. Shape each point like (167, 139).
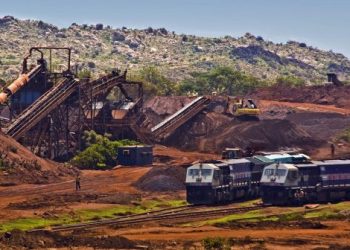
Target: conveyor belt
(53, 98)
(171, 123)
(41, 107)
(104, 84)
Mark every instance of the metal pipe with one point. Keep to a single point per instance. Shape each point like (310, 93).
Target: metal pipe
(22, 80)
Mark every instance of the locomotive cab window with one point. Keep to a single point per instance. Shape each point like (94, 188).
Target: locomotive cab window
(194, 172)
(206, 172)
(203, 172)
(277, 172)
(269, 172)
(281, 172)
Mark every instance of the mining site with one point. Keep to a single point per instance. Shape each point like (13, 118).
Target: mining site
(103, 158)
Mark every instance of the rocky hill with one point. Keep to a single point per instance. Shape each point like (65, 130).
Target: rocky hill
(100, 48)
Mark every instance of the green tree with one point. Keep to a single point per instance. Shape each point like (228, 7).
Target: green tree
(223, 80)
(99, 151)
(155, 83)
(84, 74)
(291, 81)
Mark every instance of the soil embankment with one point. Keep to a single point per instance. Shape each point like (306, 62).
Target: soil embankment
(214, 128)
(20, 165)
(323, 94)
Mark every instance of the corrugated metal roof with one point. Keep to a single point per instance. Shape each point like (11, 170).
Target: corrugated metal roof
(285, 165)
(278, 156)
(332, 162)
(204, 165)
(262, 159)
(237, 161)
(301, 156)
(306, 165)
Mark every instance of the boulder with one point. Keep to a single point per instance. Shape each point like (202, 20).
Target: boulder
(91, 65)
(6, 19)
(118, 36)
(115, 51)
(197, 48)
(61, 35)
(42, 25)
(133, 44)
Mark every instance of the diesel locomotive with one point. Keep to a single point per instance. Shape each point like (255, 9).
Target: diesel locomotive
(316, 181)
(227, 180)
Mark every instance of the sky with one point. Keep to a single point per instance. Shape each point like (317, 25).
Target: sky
(319, 23)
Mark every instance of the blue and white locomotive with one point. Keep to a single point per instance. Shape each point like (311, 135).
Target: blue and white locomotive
(316, 181)
(219, 181)
(228, 180)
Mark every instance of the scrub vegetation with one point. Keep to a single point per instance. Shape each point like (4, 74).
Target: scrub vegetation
(99, 151)
(88, 215)
(323, 212)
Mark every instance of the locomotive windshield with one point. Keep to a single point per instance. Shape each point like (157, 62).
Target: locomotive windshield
(269, 172)
(203, 172)
(276, 172)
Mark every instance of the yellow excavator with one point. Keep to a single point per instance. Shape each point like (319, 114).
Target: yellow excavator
(244, 109)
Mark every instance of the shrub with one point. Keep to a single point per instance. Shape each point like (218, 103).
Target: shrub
(99, 152)
(84, 74)
(213, 243)
(290, 217)
(2, 164)
(291, 81)
(345, 135)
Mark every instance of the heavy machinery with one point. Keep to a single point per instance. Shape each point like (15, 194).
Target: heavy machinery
(223, 181)
(333, 79)
(244, 109)
(311, 182)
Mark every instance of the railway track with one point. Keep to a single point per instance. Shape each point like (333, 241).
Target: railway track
(179, 214)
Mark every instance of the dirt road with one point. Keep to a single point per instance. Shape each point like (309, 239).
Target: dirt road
(115, 181)
(310, 107)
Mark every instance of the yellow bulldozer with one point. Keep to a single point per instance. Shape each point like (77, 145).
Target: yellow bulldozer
(244, 109)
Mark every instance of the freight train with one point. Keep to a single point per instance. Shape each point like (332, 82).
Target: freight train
(296, 184)
(227, 180)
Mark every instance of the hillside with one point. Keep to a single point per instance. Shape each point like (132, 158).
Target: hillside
(99, 48)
